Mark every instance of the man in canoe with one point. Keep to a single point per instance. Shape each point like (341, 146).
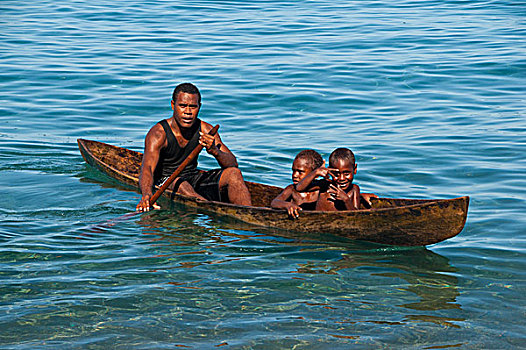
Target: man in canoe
(168, 144)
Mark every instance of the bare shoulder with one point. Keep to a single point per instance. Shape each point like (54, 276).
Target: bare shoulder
(355, 191)
(287, 191)
(156, 131)
(285, 195)
(156, 137)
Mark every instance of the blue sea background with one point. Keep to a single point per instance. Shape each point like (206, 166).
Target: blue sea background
(430, 95)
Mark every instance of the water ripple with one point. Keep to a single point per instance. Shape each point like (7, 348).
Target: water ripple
(429, 95)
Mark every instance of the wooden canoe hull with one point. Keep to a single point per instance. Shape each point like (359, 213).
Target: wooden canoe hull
(405, 222)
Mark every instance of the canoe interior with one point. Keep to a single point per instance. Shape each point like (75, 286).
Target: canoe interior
(125, 165)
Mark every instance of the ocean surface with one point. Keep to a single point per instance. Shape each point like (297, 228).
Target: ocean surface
(430, 95)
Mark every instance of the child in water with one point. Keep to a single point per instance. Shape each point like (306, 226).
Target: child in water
(337, 191)
(293, 200)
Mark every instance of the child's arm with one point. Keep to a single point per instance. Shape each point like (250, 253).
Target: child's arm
(282, 201)
(366, 199)
(355, 193)
(304, 184)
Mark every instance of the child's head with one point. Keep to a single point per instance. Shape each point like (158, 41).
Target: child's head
(344, 163)
(305, 162)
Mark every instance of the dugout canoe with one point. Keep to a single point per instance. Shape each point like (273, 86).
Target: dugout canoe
(403, 222)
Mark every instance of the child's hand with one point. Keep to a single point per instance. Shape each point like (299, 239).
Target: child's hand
(293, 210)
(336, 193)
(325, 172)
(368, 196)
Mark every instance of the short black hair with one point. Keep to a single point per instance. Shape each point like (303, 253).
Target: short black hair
(343, 154)
(189, 88)
(312, 157)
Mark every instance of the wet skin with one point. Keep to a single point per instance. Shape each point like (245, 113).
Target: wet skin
(290, 198)
(185, 110)
(300, 168)
(342, 189)
(343, 172)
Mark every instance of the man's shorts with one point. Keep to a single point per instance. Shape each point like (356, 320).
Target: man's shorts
(206, 183)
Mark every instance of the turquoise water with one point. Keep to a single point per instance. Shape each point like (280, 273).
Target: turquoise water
(430, 95)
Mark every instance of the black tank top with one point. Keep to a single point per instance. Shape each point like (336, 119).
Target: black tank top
(173, 154)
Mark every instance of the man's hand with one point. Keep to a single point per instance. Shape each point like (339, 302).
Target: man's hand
(209, 142)
(144, 204)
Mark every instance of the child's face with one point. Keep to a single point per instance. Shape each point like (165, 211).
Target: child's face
(343, 173)
(300, 168)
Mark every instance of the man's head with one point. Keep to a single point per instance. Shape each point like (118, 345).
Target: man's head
(305, 162)
(344, 164)
(189, 88)
(186, 102)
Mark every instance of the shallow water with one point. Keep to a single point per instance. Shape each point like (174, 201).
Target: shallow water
(429, 95)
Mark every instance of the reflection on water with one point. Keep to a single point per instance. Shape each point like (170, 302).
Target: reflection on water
(424, 270)
(278, 281)
(424, 278)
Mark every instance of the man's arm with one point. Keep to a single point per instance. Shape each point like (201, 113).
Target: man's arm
(153, 143)
(215, 147)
